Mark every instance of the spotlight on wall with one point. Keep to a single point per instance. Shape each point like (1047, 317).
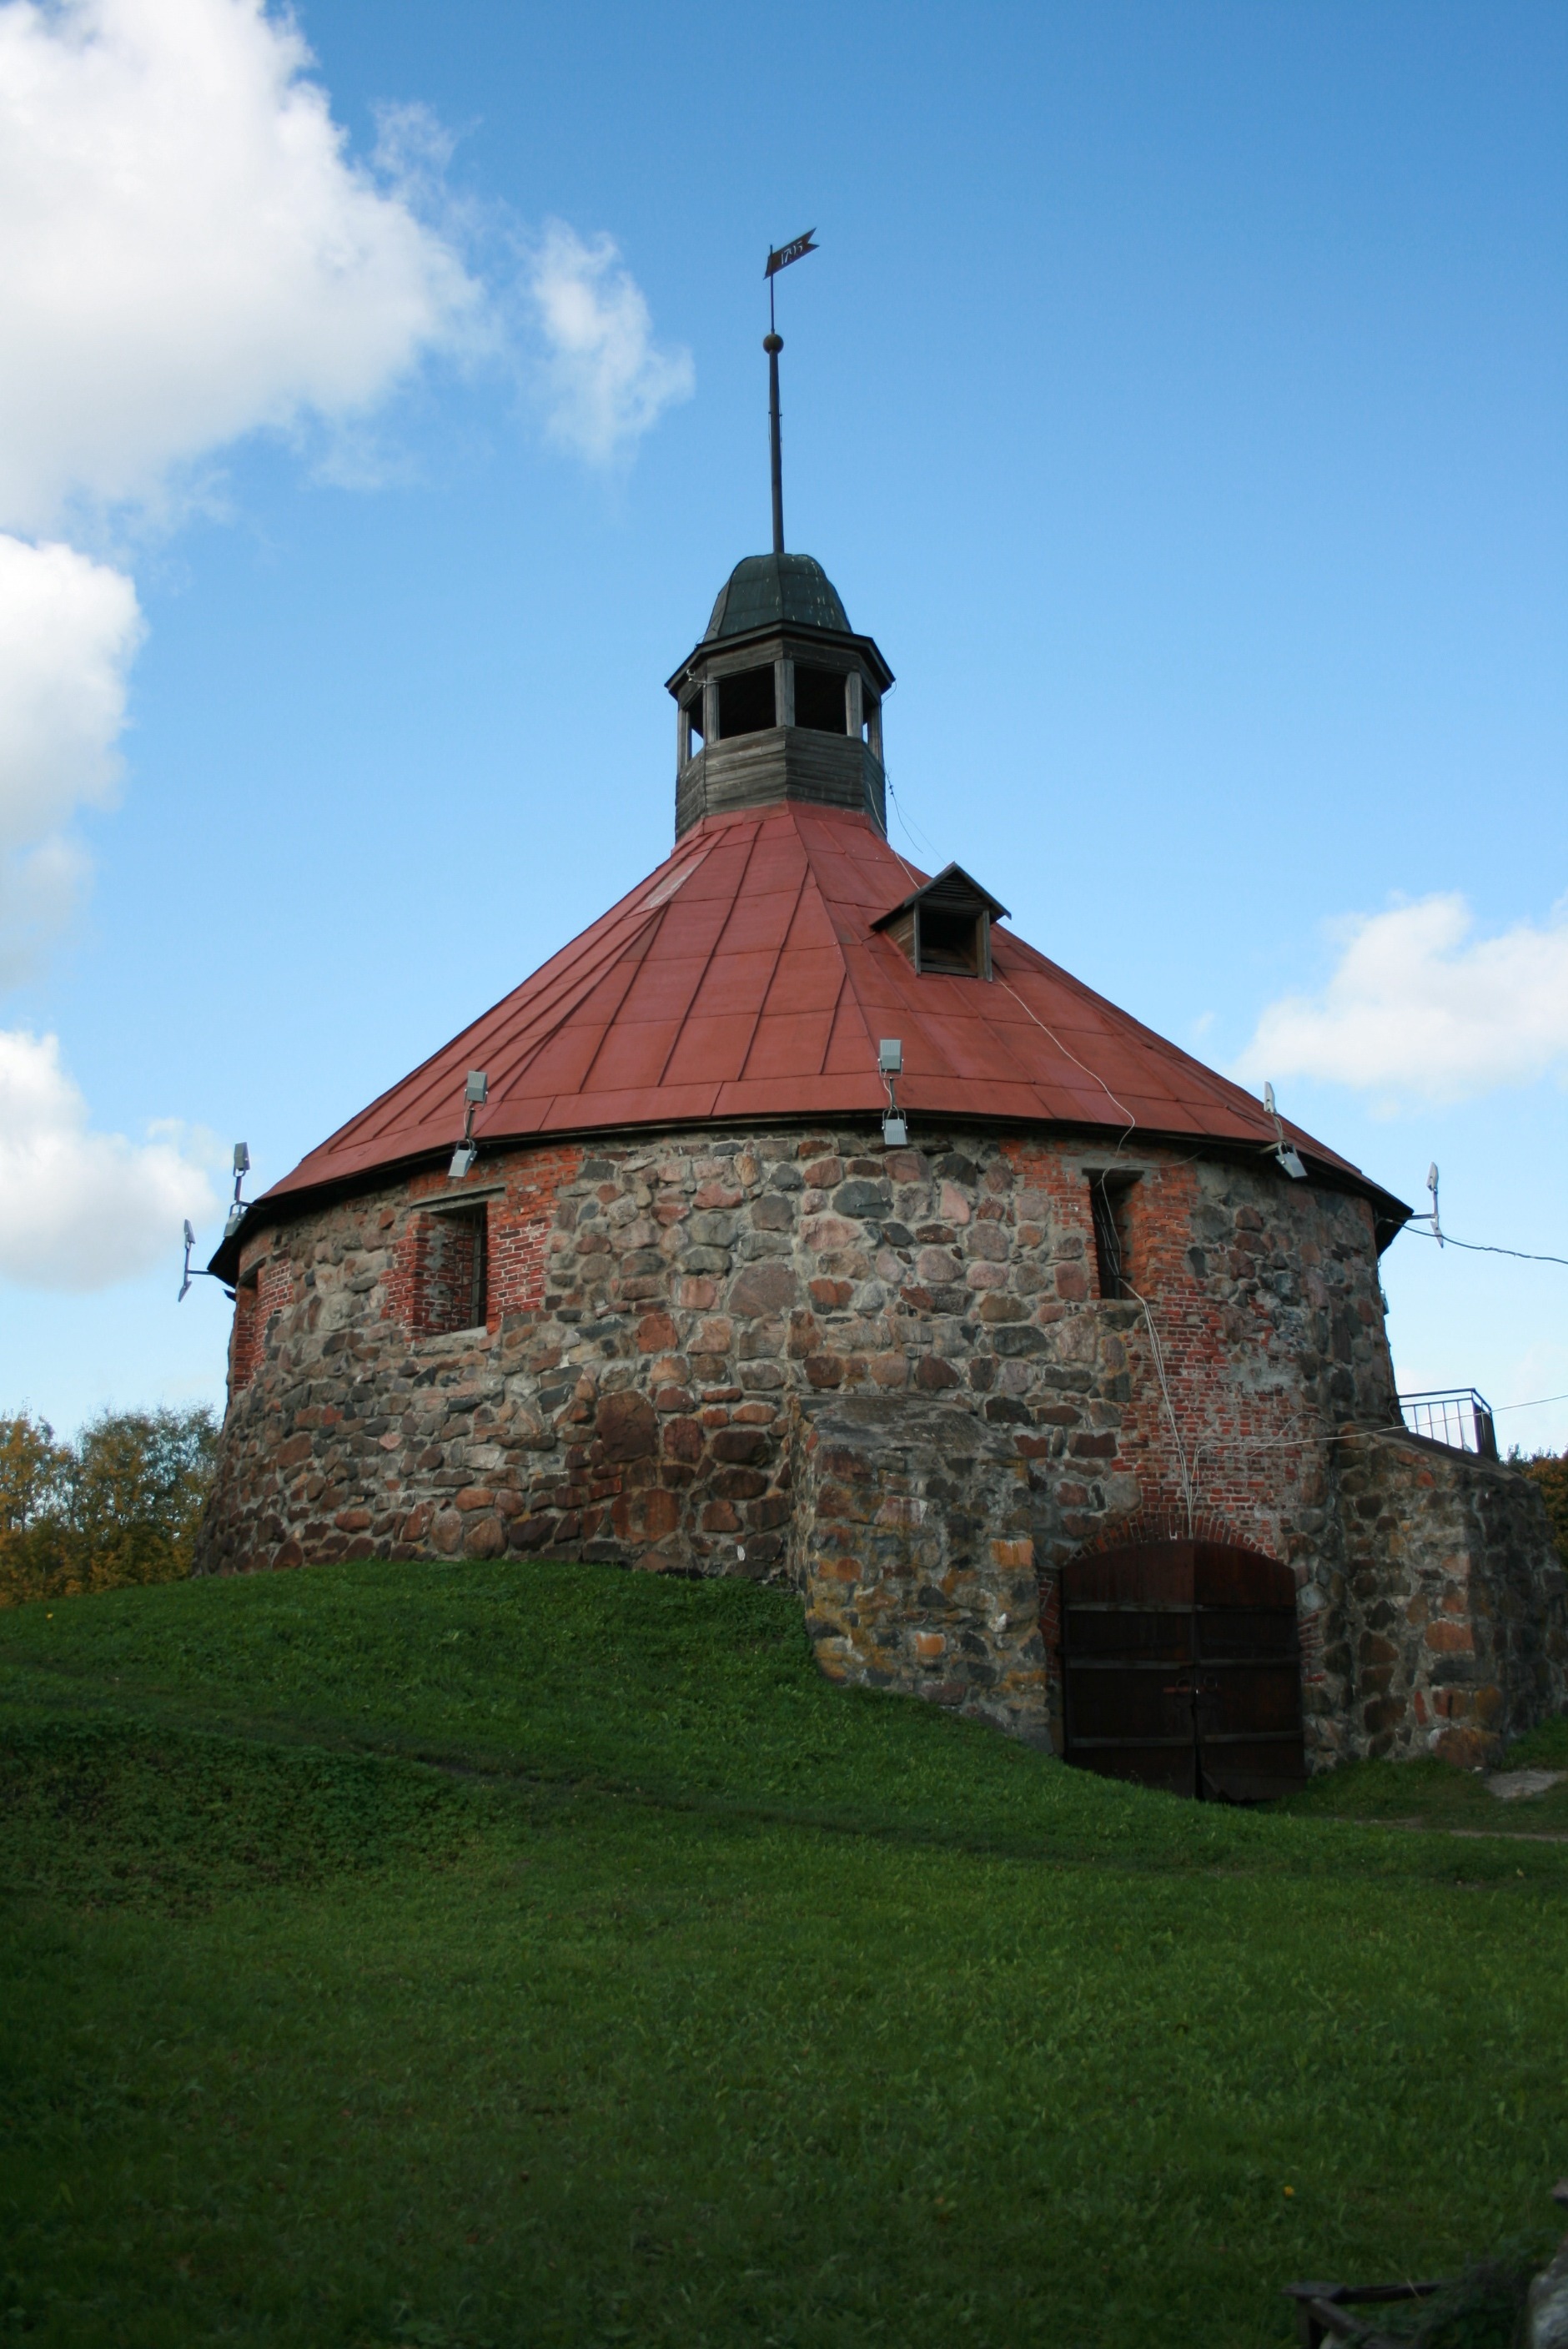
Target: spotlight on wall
(237, 1211)
(1284, 1154)
(890, 1066)
(476, 1093)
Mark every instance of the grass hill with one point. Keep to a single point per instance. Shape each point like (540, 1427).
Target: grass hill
(452, 1956)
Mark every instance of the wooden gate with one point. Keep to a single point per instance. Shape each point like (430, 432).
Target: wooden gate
(1182, 1670)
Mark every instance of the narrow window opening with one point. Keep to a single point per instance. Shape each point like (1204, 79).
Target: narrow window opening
(746, 703)
(870, 721)
(821, 701)
(1110, 1198)
(248, 1331)
(694, 726)
(455, 1286)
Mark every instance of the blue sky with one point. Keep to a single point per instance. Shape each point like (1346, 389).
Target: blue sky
(1178, 396)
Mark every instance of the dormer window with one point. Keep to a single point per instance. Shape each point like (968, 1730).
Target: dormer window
(946, 925)
(746, 703)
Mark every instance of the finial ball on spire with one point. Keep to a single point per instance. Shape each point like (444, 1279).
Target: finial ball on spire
(771, 343)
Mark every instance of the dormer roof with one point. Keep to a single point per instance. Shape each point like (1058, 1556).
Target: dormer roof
(952, 888)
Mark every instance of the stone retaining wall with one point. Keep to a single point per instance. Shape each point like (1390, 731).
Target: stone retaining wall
(1457, 1614)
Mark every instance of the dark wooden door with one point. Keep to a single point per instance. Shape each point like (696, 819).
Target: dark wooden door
(1182, 1670)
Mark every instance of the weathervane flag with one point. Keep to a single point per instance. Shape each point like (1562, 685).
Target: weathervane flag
(795, 249)
(772, 343)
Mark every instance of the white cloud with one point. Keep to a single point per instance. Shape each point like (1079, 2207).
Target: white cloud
(606, 379)
(80, 1210)
(1420, 1008)
(70, 628)
(186, 252)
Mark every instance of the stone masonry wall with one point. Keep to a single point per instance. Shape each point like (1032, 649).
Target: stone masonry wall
(914, 1555)
(1456, 1615)
(667, 1314)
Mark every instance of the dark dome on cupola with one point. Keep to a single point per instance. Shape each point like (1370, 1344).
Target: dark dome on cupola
(769, 591)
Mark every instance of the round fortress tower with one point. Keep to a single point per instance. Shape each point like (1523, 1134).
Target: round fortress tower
(817, 1228)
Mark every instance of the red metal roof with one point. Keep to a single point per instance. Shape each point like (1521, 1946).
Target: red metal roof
(743, 980)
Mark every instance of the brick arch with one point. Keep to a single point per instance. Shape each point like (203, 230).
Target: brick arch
(1168, 1521)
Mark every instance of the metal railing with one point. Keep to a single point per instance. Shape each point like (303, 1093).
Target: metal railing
(1456, 1416)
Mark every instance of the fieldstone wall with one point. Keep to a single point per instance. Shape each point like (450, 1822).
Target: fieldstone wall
(683, 1333)
(914, 1550)
(1457, 1614)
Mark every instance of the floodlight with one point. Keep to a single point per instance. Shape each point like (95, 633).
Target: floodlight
(242, 1158)
(233, 1219)
(463, 1158)
(190, 1235)
(1290, 1160)
(477, 1089)
(889, 1057)
(1269, 1101)
(895, 1132)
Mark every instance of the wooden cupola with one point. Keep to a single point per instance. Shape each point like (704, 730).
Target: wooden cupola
(780, 700)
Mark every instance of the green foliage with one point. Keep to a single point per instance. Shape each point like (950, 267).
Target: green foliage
(120, 1506)
(1552, 1475)
(676, 1997)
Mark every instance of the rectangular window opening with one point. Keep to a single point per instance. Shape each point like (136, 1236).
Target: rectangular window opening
(821, 701)
(245, 1343)
(953, 941)
(746, 703)
(1110, 1198)
(454, 1285)
(694, 725)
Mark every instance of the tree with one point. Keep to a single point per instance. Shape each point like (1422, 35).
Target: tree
(119, 1506)
(1552, 1475)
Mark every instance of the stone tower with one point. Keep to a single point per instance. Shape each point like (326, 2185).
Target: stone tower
(818, 1229)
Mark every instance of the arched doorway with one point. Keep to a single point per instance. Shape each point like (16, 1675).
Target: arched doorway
(1182, 1669)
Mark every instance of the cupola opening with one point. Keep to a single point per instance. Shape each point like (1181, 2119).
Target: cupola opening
(821, 699)
(746, 703)
(946, 925)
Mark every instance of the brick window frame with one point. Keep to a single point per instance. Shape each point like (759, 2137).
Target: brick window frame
(1111, 1209)
(451, 1269)
(249, 1330)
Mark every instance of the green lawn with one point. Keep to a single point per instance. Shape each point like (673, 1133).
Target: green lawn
(532, 1954)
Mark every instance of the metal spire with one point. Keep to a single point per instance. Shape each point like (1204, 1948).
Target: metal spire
(773, 343)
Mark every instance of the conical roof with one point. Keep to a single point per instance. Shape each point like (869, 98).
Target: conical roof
(744, 979)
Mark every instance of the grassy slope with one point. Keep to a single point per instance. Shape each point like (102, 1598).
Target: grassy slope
(685, 1999)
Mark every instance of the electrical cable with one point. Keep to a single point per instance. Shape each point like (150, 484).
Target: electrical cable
(1476, 1247)
(1159, 1353)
